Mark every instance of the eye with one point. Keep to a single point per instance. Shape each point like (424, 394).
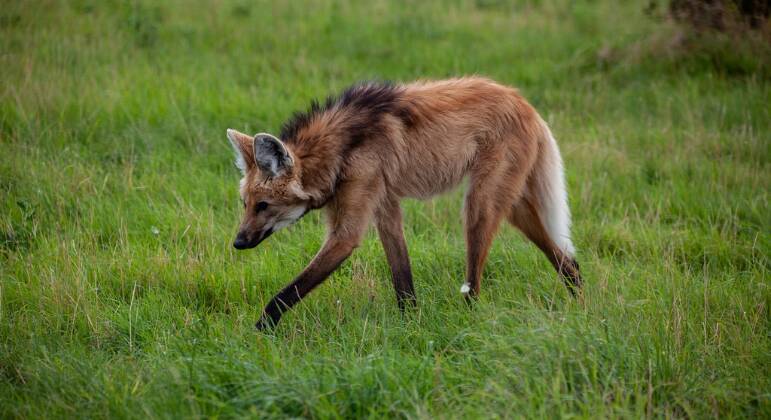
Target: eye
(261, 206)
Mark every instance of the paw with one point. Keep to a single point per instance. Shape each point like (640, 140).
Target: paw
(465, 289)
(265, 324)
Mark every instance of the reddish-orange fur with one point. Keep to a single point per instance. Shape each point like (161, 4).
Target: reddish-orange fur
(358, 156)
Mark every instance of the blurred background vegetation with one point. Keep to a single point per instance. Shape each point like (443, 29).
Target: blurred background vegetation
(120, 295)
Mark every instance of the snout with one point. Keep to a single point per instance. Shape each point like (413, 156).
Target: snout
(242, 241)
(245, 240)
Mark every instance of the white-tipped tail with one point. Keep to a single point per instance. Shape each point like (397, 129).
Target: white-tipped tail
(552, 194)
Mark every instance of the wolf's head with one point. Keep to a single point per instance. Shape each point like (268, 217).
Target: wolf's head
(270, 188)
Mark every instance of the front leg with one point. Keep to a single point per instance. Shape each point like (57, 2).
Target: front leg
(388, 218)
(348, 216)
(331, 255)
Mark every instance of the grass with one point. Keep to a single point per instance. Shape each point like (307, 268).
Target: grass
(120, 295)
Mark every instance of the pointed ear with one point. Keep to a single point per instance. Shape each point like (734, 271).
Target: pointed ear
(244, 148)
(270, 155)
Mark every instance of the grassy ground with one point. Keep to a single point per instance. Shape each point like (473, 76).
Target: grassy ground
(121, 296)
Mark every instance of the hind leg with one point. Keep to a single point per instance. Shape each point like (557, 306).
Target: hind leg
(525, 217)
(491, 192)
(481, 225)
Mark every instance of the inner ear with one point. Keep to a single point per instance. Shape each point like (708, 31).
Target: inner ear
(243, 146)
(271, 155)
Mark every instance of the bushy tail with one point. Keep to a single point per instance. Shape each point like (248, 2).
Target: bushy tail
(549, 189)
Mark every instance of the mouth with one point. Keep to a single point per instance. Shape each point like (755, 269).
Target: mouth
(242, 244)
(264, 236)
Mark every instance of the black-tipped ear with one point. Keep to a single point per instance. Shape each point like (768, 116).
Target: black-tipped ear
(271, 155)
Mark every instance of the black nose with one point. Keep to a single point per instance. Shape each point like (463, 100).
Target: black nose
(241, 242)
(245, 241)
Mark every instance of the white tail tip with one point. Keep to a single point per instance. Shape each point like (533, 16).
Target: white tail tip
(465, 288)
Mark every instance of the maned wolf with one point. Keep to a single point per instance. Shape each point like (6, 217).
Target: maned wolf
(358, 154)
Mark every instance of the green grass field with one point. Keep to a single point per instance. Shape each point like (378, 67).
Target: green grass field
(121, 295)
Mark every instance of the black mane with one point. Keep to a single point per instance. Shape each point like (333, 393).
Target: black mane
(372, 98)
